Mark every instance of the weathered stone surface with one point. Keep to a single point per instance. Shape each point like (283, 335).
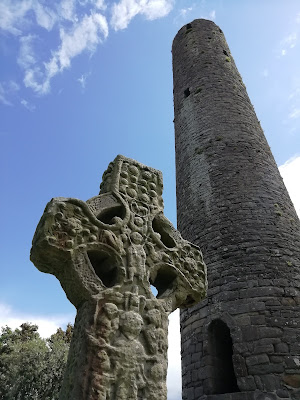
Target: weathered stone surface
(292, 380)
(283, 394)
(260, 359)
(106, 252)
(231, 200)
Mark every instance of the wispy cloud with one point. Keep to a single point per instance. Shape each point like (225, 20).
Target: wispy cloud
(295, 94)
(294, 99)
(184, 11)
(12, 15)
(67, 10)
(265, 73)
(30, 107)
(212, 15)
(47, 325)
(76, 36)
(82, 80)
(3, 96)
(84, 36)
(290, 172)
(182, 16)
(295, 113)
(26, 56)
(7, 91)
(125, 10)
(80, 30)
(45, 17)
(100, 4)
(290, 41)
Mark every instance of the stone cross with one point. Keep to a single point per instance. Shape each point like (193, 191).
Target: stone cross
(106, 253)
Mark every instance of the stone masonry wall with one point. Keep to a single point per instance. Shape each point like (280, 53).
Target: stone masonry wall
(233, 204)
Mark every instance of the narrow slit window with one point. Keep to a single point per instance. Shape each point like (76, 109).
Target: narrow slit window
(187, 92)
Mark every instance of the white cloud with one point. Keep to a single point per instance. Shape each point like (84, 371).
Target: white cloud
(82, 80)
(290, 172)
(27, 105)
(182, 16)
(157, 9)
(125, 10)
(265, 73)
(3, 96)
(184, 11)
(295, 113)
(83, 2)
(47, 325)
(295, 94)
(26, 56)
(212, 15)
(66, 10)
(291, 40)
(77, 34)
(294, 100)
(45, 17)
(100, 4)
(123, 13)
(174, 358)
(12, 15)
(84, 36)
(13, 86)
(31, 78)
(7, 90)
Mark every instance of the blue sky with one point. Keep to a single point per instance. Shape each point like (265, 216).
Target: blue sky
(83, 81)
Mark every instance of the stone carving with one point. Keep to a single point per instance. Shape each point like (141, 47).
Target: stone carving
(107, 252)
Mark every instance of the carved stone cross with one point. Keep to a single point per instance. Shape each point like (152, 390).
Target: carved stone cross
(106, 253)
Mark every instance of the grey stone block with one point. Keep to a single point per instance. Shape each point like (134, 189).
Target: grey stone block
(281, 348)
(239, 365)
(259, 359)
(270, 382)
(283, 393)
(264, 369)
(270, 332)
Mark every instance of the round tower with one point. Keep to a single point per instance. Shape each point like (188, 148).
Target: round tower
(243, 341)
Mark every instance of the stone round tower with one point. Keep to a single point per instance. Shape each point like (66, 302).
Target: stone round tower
(243, 341)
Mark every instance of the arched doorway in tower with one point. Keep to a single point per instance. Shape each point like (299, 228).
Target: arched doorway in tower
(223, 379)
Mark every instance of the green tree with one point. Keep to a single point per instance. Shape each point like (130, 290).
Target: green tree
(32, 367)
(60, 334)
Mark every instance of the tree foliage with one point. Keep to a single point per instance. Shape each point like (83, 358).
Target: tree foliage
(32, 368)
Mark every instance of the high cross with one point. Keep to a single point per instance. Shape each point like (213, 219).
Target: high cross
(106, 253)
